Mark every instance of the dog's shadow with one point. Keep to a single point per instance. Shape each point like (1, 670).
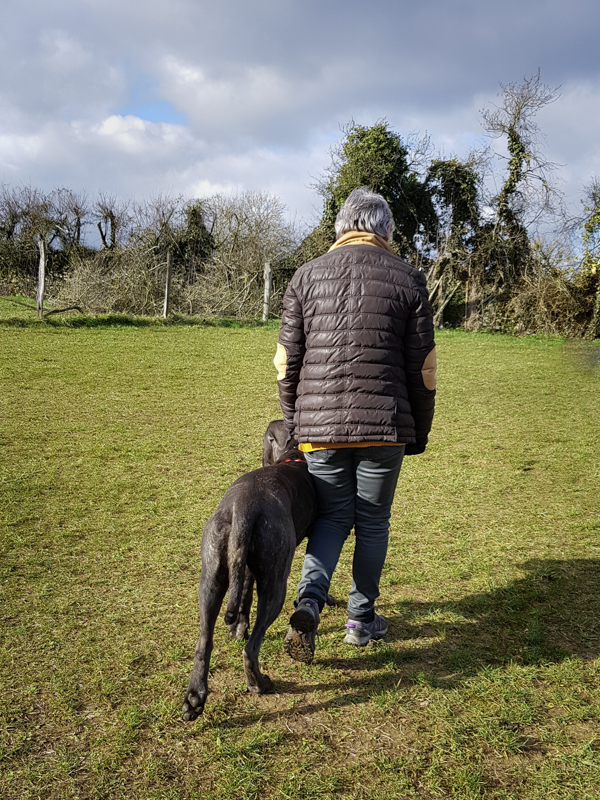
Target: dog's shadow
(551, 614)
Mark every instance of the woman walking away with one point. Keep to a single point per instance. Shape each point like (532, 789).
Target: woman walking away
(356, 376)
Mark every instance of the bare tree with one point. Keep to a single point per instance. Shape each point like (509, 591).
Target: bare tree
(42, 223)
(248, 231)
(112, 220)
(11, 212)
(70, 211)
(529, 190)
(157, 223)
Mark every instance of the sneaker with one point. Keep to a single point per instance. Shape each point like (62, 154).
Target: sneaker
(361, 633)
(299, 642)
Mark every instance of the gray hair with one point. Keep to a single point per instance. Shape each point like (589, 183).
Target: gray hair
(364, 210)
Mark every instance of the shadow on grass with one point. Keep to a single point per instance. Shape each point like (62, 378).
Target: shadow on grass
(131, 320)
(551, 614)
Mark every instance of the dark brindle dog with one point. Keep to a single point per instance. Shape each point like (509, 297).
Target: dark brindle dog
(252, 536)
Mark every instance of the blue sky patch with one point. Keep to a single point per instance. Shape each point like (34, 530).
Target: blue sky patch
(145, 104)
(160, 111)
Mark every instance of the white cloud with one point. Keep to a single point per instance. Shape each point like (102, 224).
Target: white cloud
(250, 94)
(62, 54)
(265, 86)
(136, 136)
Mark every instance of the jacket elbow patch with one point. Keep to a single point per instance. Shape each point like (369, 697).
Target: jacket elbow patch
(429, 370)
(280, 362)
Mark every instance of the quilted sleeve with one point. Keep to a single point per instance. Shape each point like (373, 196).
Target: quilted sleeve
(290, 353)
(421, 365)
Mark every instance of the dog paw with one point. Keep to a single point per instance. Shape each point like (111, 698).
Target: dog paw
(239, 630)
(193, 706)
(264, 685)
(331, 601)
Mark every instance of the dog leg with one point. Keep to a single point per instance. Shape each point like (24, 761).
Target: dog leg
(270, 603)
(210, 597)
(239, 629)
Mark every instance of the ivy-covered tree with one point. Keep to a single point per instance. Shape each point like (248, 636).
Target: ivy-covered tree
(588, 279)
(502, 247)
(454, 187)
(195, 243)
(375, 157)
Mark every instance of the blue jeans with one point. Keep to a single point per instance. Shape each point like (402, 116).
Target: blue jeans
(355, 489)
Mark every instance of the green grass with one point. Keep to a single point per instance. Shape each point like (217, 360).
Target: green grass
(117, 442)
(20, 312)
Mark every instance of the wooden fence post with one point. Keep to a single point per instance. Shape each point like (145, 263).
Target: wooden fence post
(268, 286)
(168, 283)
(39, 306)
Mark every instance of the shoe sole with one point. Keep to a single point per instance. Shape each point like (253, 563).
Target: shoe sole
(303, 620)
(295, 647)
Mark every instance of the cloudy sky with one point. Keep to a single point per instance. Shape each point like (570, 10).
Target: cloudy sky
(139, 97)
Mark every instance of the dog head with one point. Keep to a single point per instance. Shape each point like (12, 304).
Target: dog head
(278, 443)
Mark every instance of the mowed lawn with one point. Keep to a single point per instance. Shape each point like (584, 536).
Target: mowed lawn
(117, 443)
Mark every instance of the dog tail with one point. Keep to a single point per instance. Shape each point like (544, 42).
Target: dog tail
(242, 525)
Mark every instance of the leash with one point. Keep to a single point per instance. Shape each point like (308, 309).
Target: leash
(298, 460)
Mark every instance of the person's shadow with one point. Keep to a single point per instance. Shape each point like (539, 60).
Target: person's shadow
(550, 614)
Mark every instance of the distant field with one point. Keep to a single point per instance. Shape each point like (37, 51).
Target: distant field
(117, 444)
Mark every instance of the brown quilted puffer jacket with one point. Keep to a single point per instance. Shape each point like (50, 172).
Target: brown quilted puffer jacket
(359, 361)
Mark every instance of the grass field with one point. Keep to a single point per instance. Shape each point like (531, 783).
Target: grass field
(117, 444)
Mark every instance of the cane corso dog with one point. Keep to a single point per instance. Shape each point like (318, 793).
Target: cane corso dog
(250, 538)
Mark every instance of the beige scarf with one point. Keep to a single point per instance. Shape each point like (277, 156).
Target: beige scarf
(361, 237)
